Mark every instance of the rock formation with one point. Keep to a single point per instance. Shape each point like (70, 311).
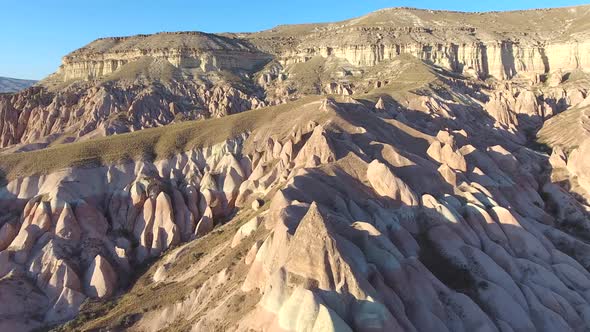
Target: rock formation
(122, 84)
(415, 197)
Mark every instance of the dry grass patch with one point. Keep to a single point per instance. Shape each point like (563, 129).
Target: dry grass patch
(154, 143)
(567, 129)
(146, 296)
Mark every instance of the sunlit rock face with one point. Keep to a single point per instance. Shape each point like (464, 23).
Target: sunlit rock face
(407, 170)
(82, 231)
(498, 59)
(184, 50)
(478, 44)
(346, 229)
(122, 84)
(35, 118)
(488, 44)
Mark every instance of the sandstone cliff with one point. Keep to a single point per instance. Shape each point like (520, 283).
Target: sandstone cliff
(330, 214)
(534, 42)
(108, 86)
(388, 177)
(479, 44)
(193, 51)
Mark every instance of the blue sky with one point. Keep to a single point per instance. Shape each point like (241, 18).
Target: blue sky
(34, 35)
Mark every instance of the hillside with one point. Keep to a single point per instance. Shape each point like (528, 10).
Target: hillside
(407, 170)
(8, 84)
(117, 78)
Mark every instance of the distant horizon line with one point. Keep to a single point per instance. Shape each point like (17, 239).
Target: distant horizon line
(311, 23)
(351, 18)
(19, 79)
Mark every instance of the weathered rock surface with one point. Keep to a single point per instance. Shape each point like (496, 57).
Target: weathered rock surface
(73, 232)
(124, 84)
(421, 207)
(357, 231)
(387, 184)
(85, 109)
(101, 277)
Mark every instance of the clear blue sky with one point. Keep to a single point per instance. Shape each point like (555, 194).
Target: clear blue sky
(35, 34)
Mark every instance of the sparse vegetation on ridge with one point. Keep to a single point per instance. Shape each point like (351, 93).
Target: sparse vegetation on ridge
(400, 168)
(150, 144)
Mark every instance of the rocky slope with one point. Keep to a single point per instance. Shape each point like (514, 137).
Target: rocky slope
(420, 212)
(187, 50)
(415, 197)
(36, 118)
(501, 45)
(170, 74)
(116, 85)
(568, 136)
(8, 84)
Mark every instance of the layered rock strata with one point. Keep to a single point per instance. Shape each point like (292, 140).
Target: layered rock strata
(424, 205)
(78, 233)
(196, 51)
(212, 75)
(353, 228)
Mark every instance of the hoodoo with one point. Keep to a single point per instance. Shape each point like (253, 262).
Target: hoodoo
(407, 170)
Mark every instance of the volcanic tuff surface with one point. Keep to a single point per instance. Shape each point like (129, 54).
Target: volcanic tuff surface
(123, 84)
(406, 170)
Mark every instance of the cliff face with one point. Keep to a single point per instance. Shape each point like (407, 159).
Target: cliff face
(471, 50)
(482, 45)
(498, 59)
(107, 86)
(425, 213)
(185, 50)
